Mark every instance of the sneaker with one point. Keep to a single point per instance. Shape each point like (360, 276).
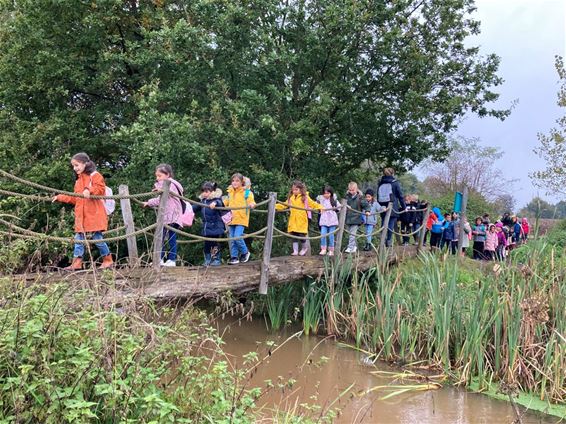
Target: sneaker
(367, 247)
(351, 249)
(245, 257)
(233, 261)
(169, 262)
(161, 262)
(322, 252)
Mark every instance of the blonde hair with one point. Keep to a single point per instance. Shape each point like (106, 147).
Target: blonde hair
(353, 184)
(388, 172)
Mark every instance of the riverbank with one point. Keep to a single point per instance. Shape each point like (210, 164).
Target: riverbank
(475, 324)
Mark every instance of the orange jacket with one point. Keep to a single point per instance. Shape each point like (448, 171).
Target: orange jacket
(90, 214)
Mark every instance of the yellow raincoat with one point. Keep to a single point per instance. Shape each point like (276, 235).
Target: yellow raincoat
(298, 219)
(236, 198)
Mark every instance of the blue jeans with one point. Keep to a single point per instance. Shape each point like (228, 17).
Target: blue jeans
(170, 237)
(369, 230)
(237, 247)
(79, 249)
(324, 230)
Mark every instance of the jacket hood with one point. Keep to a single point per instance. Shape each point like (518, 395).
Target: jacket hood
(525, 220)
(216, 194)
(387, 179)
(438, 213)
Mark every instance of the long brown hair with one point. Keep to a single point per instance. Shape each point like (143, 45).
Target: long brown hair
(301, 186)
(82, 157)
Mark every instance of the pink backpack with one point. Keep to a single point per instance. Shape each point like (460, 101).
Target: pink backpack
(187, 214)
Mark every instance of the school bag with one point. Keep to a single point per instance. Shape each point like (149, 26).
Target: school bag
(109, 204)
(187, 215)
(384, 192)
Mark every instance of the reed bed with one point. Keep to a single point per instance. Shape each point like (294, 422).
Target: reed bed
(499, 324)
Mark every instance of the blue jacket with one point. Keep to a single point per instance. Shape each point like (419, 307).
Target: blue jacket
(212, 224)
(438, 226)
(449, 231)
(374, 210)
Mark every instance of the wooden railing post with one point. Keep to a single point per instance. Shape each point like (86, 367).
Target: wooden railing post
(385, 230)
(422, 232)
(128, 218)
(341, 226)
(463, 216)
(264, 276)
(158, 238)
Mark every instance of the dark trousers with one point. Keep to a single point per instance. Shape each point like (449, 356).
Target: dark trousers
(211, 247)
(435, 239)
(478, 250)
(390, 227)
(170, 238)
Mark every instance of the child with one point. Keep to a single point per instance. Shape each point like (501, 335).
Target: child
(299, 219)
(90, 214)
(467, 236)
(408, 218)
(491, 242)
(173, 212)
(374, 209)
(479, 233)
(436, 229)
(212, 224)
(356, 202)
(517, 231)
(239, 197)
(526, 228)
(328, 220)
(447, 233)
(501, 241)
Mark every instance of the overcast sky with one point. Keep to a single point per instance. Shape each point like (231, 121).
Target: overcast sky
(526, 35)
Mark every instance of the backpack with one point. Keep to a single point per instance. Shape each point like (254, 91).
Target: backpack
(187, 215)
(109, 204)
(384, 192)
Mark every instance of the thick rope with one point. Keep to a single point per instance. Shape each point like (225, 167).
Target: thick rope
(26, 196)
(283, 233)
(288, 206)
(72, 194)
(204, 205)
(365, 213)
(407, 234)
(42, 236)
(362, 235)
(227, 239)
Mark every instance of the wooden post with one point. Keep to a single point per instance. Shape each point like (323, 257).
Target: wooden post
(158, 238)
(385, 227)
(264, 277)
(462, 217)
(423, 229)
(128, 218)
(341, 226)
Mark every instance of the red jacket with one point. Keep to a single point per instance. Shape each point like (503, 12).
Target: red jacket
(90, 214)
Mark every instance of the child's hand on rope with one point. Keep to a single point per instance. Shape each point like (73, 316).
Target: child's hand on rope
(212, 205)
(144, 205)
(86, 194)
(53, 199)
(252, 205)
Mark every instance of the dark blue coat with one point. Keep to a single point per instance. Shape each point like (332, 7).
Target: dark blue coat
(396, 194)
(212, 224)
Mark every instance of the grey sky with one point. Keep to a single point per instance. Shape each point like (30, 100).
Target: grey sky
(526, 35)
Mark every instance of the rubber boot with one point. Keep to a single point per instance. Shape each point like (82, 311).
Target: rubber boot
(295, 249)
(107, 262)
(207, 259)
(304, 249)
(76, 265)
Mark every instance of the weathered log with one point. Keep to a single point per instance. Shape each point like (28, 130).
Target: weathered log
(192, 282)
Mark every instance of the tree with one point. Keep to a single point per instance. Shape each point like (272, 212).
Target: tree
(539, 208)
(276, 90)
(468, 164)
(553, 146)
(504, 203)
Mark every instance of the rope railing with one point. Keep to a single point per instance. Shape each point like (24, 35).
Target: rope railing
(292, 236)
(73, 194)
(366, 213)
(362, 235)
(42, 236)
(219, 208)
(406, 234)
(198, 238)
(288, 206)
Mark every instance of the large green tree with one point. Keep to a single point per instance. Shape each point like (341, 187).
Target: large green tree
(275, 89)
(552, 146)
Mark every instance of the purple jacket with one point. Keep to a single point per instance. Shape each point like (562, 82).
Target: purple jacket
(174, 210)
(327, 218)
(501, 238)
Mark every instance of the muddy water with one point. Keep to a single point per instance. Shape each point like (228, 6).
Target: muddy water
(321, 384)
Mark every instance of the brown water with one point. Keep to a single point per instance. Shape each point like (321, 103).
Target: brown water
(321, 384)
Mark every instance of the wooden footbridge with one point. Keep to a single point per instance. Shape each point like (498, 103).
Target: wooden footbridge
(152, 281)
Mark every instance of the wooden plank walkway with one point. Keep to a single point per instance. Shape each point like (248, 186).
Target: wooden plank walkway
(209, 282)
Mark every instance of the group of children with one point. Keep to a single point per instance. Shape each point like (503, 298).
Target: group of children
(491, 241)
(230, 213)
(221, 214)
